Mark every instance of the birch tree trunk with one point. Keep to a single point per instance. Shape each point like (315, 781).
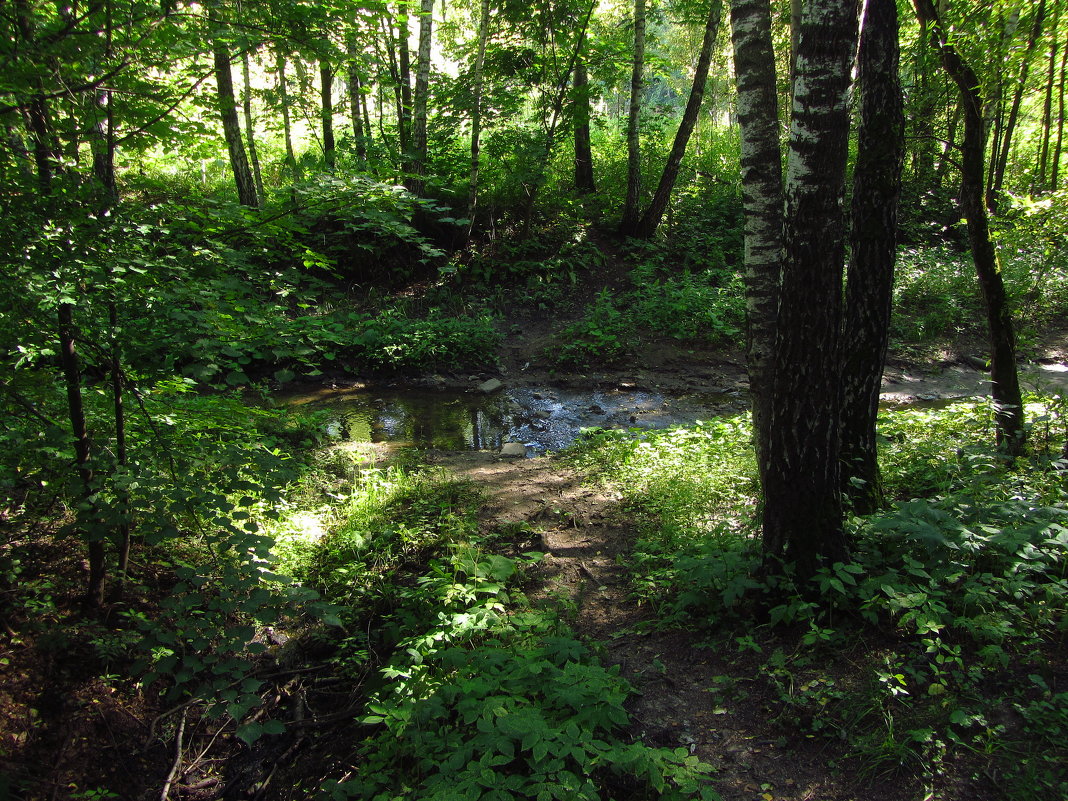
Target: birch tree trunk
(802, 493)
(762, 198)
(873, 245)
(224, 84)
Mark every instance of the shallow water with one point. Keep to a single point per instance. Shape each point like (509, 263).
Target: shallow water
(545, 419)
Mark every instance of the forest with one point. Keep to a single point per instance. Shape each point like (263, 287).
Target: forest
(596, 399)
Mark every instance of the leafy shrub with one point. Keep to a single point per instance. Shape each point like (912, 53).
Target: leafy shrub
(936, 294)
(480, 704)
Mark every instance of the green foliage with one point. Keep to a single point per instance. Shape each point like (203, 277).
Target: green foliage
(481, 704)
(962, 584)
(936, 295)
(476, 696)
(601, 337)
(689, 309)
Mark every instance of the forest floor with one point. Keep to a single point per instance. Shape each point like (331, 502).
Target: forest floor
(96, 736)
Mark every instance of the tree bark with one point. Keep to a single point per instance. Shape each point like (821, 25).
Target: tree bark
(420, 97)
(1055, 168)
(650, 220)
(873, 245)
(287, 124)
(326, 87)
(68, 358)
(355, 97)
(1047, 105)
(1002, 160)
(762, 198)
(250, 128)
(802, 491)
(634, 155)
(476, 109)
(224, 83)
(1008, 404)
(584, 179)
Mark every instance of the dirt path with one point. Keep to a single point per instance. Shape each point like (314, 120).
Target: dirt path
(583, 530)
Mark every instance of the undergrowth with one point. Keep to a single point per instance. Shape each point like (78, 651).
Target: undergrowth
(477, 695)
(936, 646)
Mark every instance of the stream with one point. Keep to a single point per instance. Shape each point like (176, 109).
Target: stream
(551, 418)
(540, 419)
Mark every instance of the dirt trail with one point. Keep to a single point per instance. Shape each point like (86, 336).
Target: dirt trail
(583, 530)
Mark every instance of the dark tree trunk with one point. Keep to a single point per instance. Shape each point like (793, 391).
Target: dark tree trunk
(45, 153)
(650, 221)
(68, 357)
(802, 490)
(104, 147)
(1008, 404)
(762, 196)
(873, 241)
(404, 123)
(326, 78)
(1054, 175)
(634, 155)
(584, 180)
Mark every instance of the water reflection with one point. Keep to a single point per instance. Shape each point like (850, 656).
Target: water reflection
(542, 420)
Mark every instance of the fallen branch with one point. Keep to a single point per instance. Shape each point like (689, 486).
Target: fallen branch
(178, 751)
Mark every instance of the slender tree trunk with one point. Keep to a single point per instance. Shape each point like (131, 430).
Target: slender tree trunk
(404, 123)
(1047, 106)
(1054, 182)
(762, 197)
(650, 221)
(420, 98)
(557, 107)
(802, 489)
(68, 357)
(326, 77)
(104, 147)
(476, 110)
(634, 154)
(873, 245)
(287, 124)
(1008, 405)
(224, 83)
(45, 152)
(1002, 162)
(584, 179)
(355, 98)
(250, 128)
